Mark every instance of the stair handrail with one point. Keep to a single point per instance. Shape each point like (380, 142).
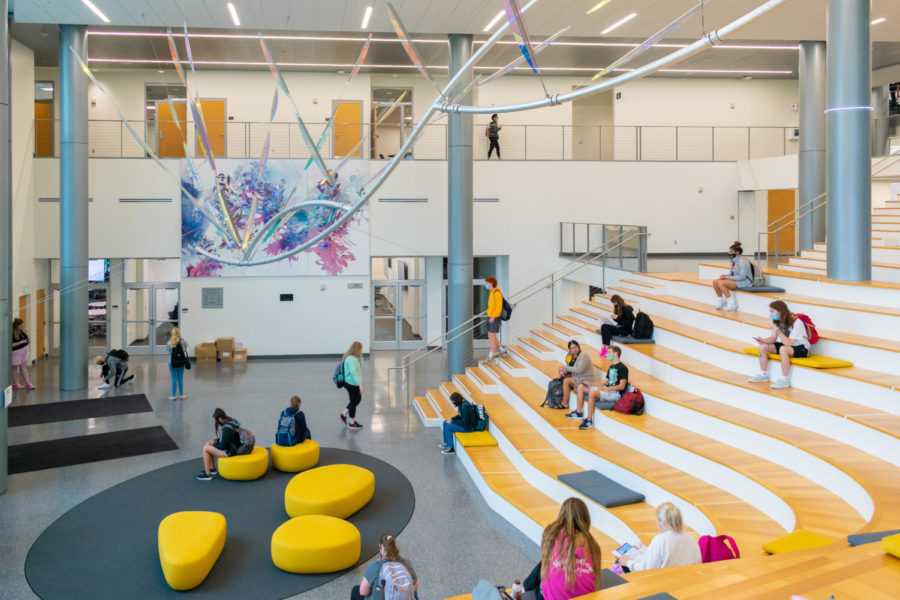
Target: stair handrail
(514, 299)
(788, 224)
(799, 208)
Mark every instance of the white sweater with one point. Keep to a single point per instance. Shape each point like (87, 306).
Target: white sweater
(668, 549)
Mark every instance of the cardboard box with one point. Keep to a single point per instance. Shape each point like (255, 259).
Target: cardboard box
(240, 355)
(205, 350)
(225, 344)
(227, 356)
(206, 360)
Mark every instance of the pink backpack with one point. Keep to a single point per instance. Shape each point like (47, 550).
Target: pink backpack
(714, 549)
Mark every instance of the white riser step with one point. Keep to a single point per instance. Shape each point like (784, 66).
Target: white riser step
(886, 212)
(885, 219)
(885, 226)
(797, 261)
(785, 454)
(873, 358)
(823, 289)
(817, 268)
(885, 255)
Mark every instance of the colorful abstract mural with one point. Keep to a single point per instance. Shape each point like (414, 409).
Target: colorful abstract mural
(257, 209)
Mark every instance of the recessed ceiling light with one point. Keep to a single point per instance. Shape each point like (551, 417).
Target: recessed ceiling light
(879, 20)
(95, 10)
(160, 71)
(366, 16)
(46, 89)
(233, 13)
(618, 23)
(151, 107)
(493, 22)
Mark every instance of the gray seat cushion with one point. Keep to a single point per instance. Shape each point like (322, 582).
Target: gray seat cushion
(609, 579)
(762, 289)
(601, 489)
(858, 539)
(627, 339)
(659, 596)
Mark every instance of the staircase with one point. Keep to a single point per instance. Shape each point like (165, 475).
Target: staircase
(736, 457)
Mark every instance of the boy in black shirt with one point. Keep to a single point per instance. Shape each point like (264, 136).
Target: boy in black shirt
(610, 390)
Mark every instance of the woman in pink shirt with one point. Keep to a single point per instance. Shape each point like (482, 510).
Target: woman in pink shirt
(569, 554)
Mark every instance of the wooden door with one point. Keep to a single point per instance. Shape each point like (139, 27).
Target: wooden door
(39, 337)
(214, 116)
(169, 138)
(782, 204)
(43, 128)
(347, 128)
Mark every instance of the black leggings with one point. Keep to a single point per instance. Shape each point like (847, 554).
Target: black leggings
(355, 399)
(495, 143)
(607, 331)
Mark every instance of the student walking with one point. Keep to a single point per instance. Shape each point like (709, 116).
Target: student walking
(494, 310)
(178, 362)
(493, 131)
(20, 355)
(353, 384)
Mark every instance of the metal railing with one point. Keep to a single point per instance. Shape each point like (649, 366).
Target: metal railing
(774, 228)
(533, 296)
(240, 139)
(576, 238)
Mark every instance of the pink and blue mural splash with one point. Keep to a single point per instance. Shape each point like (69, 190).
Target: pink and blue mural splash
(250, 213)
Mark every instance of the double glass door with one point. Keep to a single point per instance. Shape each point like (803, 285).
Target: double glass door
(151, 311)
(398, 315)
(98, 319)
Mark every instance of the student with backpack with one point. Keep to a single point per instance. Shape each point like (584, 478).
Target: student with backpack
(790, 339)
(495, 309)
(292, 428)
(227, 442)
(113, 366)
(671, 548)
(740, 275)
(465, 421)
(605, 393)
(351, 365)
(620, 322)
(577, 370)
(178, 362)
(388, 577)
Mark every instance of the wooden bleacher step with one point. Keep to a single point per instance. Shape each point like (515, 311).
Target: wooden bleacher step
(427, 412)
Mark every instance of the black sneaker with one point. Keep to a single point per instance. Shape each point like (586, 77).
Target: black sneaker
(354, 425)
(214, 472)
(574, 415)
(586, 424)
(448, 451)
(204, 477)
(343, 418)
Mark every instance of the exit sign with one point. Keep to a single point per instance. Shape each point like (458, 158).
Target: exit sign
(25, 289)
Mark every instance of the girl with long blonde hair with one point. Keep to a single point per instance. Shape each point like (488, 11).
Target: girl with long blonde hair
(570, 556)
(178, 360)
(352, 362)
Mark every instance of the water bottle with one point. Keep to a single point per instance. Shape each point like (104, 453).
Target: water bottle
(517, 590)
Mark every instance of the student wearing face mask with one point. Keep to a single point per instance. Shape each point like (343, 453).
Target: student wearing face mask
(740, 275)
(494, 310)
(789, 339)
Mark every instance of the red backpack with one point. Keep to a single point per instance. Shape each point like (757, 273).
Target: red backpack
(713, 549)
(811, 332)
(631, 403)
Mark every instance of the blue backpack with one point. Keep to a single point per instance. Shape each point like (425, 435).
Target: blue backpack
(287, 429)
(338, 377)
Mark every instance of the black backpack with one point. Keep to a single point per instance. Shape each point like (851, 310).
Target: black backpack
(506, 311)
(554, 397)
(120, 354)
(643, 327)
(179, 357)
(483, 419)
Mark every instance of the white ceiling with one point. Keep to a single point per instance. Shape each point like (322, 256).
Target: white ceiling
(796, 20)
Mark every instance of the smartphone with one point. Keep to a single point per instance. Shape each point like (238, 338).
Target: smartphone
(625, 549)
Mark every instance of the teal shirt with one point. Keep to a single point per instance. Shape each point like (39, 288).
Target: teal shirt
(351, 370)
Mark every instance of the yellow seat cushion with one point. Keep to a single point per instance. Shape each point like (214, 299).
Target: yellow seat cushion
(796, 540)
(891, 544)
(189, 544)
(333, 490)
(245, 467)
(293, 459)
(315, 544)
(815, 361)
(475, 438)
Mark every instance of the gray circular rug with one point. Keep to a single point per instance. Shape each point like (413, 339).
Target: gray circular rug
(106, 547)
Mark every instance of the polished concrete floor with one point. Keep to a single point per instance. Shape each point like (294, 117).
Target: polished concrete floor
(453, 540)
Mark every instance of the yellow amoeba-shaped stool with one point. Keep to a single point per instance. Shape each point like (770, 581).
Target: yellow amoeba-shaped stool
(315, 544)
(245, 467)
(333, 490)
(190, 542)
(293, 459)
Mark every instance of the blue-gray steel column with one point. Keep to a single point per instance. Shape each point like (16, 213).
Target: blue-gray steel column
(5, 236)
(73, 209)
(881, 102)
(812, 142)
(849, 148)
(459, 209)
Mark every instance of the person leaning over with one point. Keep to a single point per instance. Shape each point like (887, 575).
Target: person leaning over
(671, 548)
(226, 443)
(464, 422)
(607, 392)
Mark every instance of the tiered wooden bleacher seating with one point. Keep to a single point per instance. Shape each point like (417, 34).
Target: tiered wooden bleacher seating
(832, 485)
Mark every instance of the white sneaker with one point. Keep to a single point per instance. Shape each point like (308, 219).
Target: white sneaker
(105, 386)
(782, 382)
(759, 377)
(720, 302)
(730, 304)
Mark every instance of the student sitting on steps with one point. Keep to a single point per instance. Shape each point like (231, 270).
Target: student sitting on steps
(740, 275)
(671, 548)
(464, 422)
(577, 370)
(789, 339)
(605, 393)
(619, 322)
